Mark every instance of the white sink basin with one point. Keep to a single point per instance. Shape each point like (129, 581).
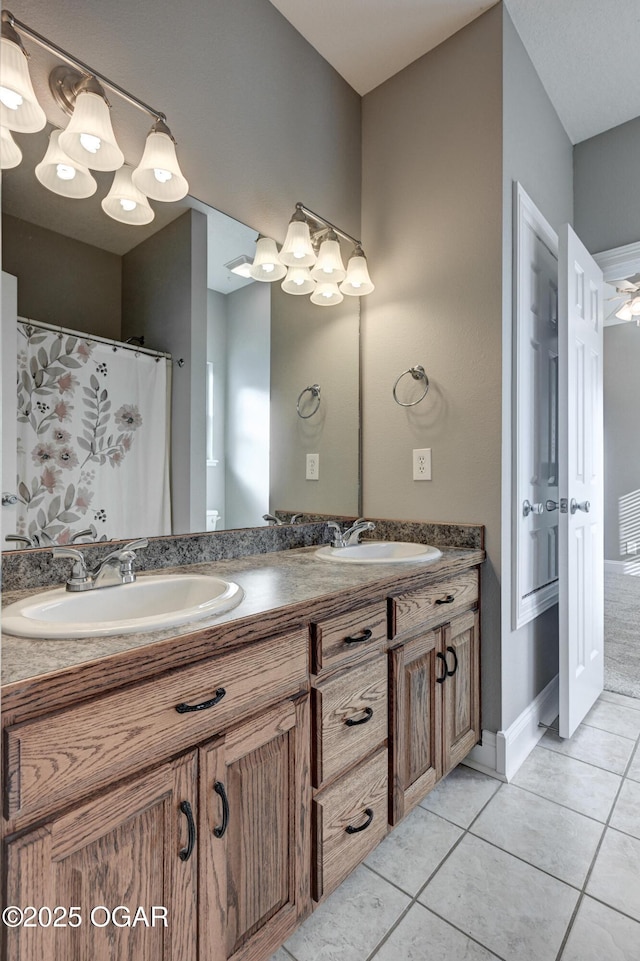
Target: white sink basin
(151, 603)
(379, 552)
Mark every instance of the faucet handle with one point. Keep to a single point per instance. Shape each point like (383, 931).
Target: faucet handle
(136, 545)
(79, 576)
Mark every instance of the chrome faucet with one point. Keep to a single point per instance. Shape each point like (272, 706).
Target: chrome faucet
(272, 520)
(105, 574)
(352, 535)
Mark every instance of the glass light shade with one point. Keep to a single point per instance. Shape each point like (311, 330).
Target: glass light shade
(635, 306)
(298, 281)
(326, 295)
(19, 108)
(357, 283)
(266, 263)
(158, 174)
(297, 250)
(329, 265)
(10, 153)
(89, 138)
(125, 202)
(625, 312)
(62, 175)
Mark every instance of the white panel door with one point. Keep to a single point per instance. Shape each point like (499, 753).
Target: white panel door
(580, 430)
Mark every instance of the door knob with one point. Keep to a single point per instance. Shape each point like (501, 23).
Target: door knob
(8, 500)
(554, 505)
(575, 506)
(528, 508)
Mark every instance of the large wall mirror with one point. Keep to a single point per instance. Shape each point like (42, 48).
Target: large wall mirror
(242, 357)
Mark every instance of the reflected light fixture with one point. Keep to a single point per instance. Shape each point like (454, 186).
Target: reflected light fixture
(125, 202)
(10, 153)
(88, 141)
(241, 266)
(320, 274)
(267, 265)
(63, 175)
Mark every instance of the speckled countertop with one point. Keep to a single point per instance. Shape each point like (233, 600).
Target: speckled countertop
(285, 582)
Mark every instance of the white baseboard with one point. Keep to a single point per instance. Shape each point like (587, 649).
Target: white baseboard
(500, 755)
(631, 566)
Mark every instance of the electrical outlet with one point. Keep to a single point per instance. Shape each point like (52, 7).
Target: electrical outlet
(313, 467)
(422, 464)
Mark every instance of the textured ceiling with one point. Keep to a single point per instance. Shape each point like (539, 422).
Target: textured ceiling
(585, 51)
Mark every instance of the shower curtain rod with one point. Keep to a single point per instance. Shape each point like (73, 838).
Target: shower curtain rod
(116, 344)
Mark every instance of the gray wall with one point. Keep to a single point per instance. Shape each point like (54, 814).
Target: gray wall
(261, 120)
(621, 440)
(607, 188)
(62, 281)
(432, 195)
(536, 152)
(164, 298)
(314, 345)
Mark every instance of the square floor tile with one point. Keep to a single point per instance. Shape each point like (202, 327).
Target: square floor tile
(616, 718)
(421, 935)
(579, 786)
(590, 744)
(351, 922)
(281, 955)
(615, 878)
(626, 813)
(545, 834)
(631, 702)
(414, 849)
(461, 795)
(601, 934)
(512, 908)
(634, 767)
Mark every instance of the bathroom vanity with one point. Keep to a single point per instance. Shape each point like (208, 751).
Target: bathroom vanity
(215, 782)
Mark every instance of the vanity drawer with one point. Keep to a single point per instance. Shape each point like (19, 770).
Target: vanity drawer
(73, 752)
(434, 604)
(349, 717)
(350, 819)
(340, 638)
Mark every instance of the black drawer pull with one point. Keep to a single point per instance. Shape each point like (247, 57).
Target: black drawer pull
(449, 599)
(363, 827)
(442, 679)
(204, 705)
(452, 650)
(186, 853)
(364, 635)
(368, 714)
(218, 787)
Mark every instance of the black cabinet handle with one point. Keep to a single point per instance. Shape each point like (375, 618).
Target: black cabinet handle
(204, 705)
(368, 714)
(452, 650)
(363, 827)
(443, 677)
(365, 635)
(449, 599)
(186, 853)
(218, 787)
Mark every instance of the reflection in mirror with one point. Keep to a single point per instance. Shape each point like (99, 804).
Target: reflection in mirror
(241, 352)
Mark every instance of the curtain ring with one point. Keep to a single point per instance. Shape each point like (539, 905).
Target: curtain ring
(418, 373)
(315, 391)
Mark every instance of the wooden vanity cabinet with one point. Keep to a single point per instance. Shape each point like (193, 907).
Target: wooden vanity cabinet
(434, 678)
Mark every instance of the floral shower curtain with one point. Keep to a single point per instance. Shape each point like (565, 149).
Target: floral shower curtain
(93, 439)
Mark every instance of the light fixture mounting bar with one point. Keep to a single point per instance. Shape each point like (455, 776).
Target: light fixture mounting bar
(80, 65)
(327, 223)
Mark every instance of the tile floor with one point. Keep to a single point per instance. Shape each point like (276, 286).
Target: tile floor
(546, 868)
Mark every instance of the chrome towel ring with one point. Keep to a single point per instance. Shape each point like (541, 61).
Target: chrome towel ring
(315, 392)
(418, 373)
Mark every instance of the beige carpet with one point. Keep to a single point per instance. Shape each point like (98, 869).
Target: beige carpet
(622, 633)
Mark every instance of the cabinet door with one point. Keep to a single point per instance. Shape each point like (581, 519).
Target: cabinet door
(415, 726)
(460, 691)
(132, 850)
(255, 800)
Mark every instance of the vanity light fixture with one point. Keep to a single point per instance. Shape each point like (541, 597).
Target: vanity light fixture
(63, 175)
(267, 265)
(125, 202)
(311, 251)
(10, 153)
(88, 141)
